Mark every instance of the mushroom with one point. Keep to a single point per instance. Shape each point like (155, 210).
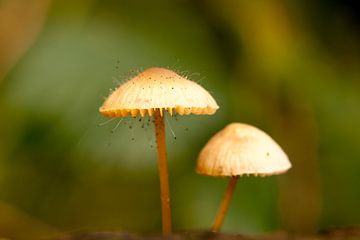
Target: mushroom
(153, 92)
(240, 149)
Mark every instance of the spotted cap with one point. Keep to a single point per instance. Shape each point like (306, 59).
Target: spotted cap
(241, 149)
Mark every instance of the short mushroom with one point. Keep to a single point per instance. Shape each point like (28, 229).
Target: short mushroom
(240, 149)
(153, 92)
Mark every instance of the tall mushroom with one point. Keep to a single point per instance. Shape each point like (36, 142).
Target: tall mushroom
(236, 150)
(153, 92)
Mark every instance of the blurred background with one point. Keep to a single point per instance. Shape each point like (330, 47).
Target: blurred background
(292, 68)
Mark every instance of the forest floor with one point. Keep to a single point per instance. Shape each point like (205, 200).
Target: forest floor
(349, 233)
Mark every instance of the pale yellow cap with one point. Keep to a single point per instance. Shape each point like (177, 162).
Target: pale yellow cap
(158, 88)
(241, 149)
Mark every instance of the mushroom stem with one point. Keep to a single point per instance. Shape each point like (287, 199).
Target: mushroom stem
(163, 171)
(224, 204)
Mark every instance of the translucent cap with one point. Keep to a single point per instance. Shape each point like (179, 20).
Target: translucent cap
(158, 88)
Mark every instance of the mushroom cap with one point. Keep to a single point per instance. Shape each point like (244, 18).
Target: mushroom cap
(242, 149)
(158, 88)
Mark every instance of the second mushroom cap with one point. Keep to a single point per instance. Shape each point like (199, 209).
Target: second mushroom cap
(241, 149)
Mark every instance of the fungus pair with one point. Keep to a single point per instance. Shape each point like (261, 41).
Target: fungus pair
(238, 149)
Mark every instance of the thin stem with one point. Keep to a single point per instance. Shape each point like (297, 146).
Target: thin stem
(224, 204)
(163, 172)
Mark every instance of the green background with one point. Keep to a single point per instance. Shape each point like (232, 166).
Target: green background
(290, 68)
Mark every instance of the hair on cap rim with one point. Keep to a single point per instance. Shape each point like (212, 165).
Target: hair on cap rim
(158, 89)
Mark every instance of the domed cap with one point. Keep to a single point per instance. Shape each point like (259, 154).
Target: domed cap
(158, 88)
(242, 149)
